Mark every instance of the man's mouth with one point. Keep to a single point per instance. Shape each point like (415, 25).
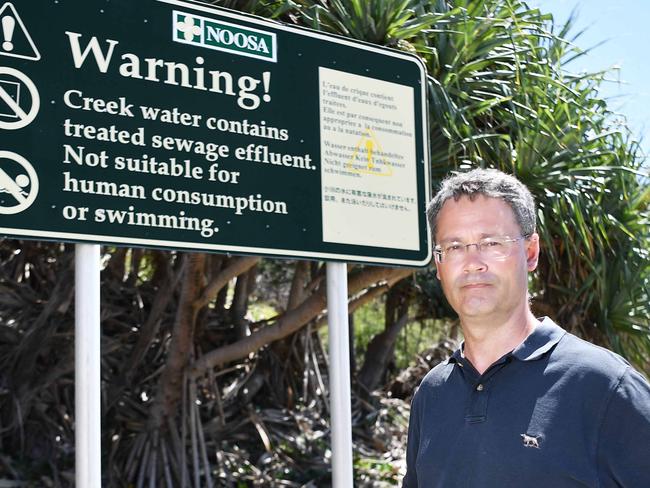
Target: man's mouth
(475, 285)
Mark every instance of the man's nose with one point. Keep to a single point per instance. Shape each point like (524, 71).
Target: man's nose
(473, 259)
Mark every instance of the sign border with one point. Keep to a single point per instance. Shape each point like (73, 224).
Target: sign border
(225, 249)
(273, 252)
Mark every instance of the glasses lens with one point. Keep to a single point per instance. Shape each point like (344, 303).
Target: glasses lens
(454, 251)
(489, 248)
(495, 247)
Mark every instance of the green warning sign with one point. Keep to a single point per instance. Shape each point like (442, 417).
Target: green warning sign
(164, 123)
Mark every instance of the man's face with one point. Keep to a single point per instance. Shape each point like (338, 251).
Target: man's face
(475, 286)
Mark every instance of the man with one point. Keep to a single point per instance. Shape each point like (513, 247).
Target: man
(522, 403)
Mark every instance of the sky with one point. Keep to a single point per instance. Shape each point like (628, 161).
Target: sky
(619, 32)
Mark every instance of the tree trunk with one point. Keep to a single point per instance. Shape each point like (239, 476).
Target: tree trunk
(381, 348)
(294, 319)
(239, 307)
(195, 295)
(171, 380)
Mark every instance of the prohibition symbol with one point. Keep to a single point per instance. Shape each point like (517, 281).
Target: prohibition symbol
(10, 106)
(19, 181)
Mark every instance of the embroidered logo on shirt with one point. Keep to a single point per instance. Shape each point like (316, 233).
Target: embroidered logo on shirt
(530, 440)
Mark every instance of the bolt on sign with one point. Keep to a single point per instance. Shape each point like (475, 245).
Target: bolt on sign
(173, 124)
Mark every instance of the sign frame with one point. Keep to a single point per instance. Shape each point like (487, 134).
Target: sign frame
(422, 169)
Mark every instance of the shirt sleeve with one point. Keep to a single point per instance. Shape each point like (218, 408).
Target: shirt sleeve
(411, 477)
(624, 440)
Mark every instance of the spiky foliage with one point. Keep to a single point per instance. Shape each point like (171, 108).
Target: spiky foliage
(384, 22)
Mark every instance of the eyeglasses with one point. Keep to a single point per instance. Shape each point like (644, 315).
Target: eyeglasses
(498, 247)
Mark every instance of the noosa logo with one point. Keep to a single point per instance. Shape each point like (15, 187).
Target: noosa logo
(224, 36)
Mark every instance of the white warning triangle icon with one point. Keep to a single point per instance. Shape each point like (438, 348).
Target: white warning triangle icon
(15, 41)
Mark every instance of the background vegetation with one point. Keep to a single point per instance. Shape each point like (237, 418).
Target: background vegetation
(214, 369)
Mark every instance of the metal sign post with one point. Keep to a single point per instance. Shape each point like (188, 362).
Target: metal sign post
(87, 364)
(339, 371)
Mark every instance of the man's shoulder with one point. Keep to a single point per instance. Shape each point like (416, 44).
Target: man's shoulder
(434, 382)
(438, 375)
(584, 358)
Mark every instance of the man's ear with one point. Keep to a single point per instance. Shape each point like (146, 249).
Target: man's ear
(532, 251)
(436, 264)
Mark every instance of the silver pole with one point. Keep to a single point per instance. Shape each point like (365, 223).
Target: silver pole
(339, 351)
(87, 367)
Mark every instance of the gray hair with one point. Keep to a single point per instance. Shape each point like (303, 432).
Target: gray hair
(490, 183)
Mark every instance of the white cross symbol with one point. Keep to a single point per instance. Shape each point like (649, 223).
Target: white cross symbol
(188, 28)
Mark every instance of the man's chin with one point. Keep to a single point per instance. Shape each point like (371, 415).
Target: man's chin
(476, 307)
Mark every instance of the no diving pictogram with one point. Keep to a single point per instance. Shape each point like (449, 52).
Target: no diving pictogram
(18, 183)
(13, 102)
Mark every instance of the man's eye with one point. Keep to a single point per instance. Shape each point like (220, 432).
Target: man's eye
(492, 243)
(453, 248)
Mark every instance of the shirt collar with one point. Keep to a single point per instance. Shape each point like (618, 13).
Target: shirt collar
(539, 342)
(458, 355)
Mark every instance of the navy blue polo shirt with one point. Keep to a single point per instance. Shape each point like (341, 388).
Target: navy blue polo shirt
(555, 412)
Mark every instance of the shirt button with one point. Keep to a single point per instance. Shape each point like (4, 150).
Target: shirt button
(479, 387)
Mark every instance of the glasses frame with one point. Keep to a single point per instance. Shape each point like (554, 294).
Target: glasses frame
(438, 252)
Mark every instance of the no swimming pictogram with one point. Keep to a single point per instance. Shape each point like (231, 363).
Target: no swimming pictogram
(18, 183)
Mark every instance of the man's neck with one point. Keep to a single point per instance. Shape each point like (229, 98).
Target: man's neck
(486, 341)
